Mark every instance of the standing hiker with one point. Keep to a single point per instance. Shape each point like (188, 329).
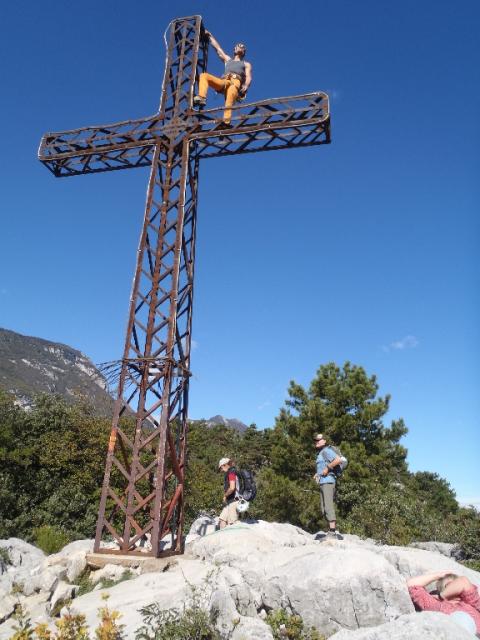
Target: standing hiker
(233, 84)
(229, 514)
(327, 460)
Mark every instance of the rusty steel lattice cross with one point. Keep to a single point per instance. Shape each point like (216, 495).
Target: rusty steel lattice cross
(143, 488)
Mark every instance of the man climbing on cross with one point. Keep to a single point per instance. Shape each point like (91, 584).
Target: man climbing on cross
(235, 81)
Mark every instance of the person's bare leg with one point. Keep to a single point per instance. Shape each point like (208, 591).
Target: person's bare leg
(223, 524)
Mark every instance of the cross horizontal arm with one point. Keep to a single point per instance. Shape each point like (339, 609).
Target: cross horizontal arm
(295, 121)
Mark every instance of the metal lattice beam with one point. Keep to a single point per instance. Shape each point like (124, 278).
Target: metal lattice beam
(143, 488)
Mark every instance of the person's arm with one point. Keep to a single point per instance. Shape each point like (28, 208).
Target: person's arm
(332, 461)
(220, 52)
(248, 78)
(426, 578)
(420, 596)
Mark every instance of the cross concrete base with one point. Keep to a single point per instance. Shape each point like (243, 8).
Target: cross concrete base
(147, 564)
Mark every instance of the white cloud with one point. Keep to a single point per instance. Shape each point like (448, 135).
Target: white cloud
(407, 342)
(265, 404)
(467, 501)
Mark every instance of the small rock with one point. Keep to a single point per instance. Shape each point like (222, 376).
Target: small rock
(108, 572)
(62, 594)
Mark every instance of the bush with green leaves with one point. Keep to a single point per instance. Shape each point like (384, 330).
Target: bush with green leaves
(4, 558)
(52, 461)
(50, 539)
(285, 625)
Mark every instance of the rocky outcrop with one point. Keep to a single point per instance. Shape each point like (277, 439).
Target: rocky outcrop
(30, 366)
(346, 589)
(426, 625)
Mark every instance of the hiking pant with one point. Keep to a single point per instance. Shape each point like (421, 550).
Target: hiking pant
(229, 513)
(327, 496)
(229, 86)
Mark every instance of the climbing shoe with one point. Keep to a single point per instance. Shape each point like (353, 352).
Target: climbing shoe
(198, 101)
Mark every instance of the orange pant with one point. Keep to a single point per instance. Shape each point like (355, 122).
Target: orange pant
(229, 87)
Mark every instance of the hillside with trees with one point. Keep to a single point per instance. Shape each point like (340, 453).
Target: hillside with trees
(52, 461)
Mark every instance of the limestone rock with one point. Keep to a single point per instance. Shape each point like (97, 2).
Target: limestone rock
(427, 625)
(108, 572)
(169, 589)
(202, 526)
(22, 554)
(445, 548)
(249, 628)
(62, 594)
(7, 605)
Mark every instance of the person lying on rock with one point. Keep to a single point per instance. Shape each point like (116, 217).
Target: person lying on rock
(457, 596)
(229, 514)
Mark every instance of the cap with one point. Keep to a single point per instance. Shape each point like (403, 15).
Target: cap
(319, 436)
(223, 461)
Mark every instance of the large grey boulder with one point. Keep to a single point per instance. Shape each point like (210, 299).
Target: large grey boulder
(329, 584)
(336, 587)
(416, 626)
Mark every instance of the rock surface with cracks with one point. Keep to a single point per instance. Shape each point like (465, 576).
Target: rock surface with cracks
(346, 589)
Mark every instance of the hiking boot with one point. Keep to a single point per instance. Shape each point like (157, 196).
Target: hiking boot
(320, 535)
(198, 101)
(338, 536)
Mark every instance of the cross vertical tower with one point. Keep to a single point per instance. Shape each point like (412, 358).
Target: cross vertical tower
(143, 488)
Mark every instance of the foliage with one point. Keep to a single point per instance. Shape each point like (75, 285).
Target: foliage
(50, 539)
(71, 626)
(289, 626)
(465, 526)
(193, 622)
(86, 585)
(23, 625)
(52, 461)
(4, 558)
(51, 467)
(109, 627)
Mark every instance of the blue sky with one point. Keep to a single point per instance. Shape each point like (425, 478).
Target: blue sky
(364, 250)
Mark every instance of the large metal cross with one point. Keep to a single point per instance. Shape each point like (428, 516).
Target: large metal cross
(143, 488)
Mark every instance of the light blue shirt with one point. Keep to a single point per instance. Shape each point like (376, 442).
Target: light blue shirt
(325, 456)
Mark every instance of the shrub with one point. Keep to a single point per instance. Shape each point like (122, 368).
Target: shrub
(109, 628)
(50, 539)
(289, 626)
(4, 558)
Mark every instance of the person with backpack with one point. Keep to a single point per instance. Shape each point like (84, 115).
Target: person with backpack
(330, 463)
(229, 514)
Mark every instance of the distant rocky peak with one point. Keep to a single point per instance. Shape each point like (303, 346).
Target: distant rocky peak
(233, 423)
(30, 366)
